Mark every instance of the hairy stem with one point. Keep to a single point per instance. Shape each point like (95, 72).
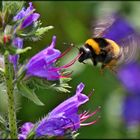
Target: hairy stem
(10, 94)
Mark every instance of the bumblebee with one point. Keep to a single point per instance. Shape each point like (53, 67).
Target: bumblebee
(114, 42)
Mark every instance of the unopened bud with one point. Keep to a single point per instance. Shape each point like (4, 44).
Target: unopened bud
(6, 38)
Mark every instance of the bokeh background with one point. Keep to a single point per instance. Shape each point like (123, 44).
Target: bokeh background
(72, 24)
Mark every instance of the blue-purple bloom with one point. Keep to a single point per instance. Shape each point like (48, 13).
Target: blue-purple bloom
(131, 109)
(27, 15)
(129, 75)
(43, 63)
(40, 64)
(17, 43)
(65, 116)
(25, 130)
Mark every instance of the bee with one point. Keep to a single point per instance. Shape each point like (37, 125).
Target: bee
(114, 42)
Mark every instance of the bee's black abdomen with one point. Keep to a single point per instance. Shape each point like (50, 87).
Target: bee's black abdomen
(101, 41)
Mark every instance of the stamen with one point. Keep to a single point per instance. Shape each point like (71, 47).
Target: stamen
(65, 52)
(61, 76)
(85, 117)
(83, 114)
(86, 124)
(67, 65)
(66, 75)
(90, 123)
(91, 92)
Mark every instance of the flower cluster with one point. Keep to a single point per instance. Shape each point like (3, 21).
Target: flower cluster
(64, 117)
(19, 77)
(27, 16)
(18, 43)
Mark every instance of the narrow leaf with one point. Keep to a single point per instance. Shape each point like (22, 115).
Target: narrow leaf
(2, 123)
(42, 30)
(28, 93)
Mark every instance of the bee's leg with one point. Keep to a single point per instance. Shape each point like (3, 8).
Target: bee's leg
(94, 62)
(102, 68)
(108, 58)
(113, 69)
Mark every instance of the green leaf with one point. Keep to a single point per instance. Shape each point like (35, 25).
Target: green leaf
(4, 134)
(39, 83)
(28, 93)
(20, 51)
(2, 123)
(42, 30)
(10, 9)
(4, 131)
(13, 6)
(62, 86)
(2, 87)
(34, 32)
(14, 50)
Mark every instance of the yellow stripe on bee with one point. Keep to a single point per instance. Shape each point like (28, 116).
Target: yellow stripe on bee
(115, 46)
(94, 45)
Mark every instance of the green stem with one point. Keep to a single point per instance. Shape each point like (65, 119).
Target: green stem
(10, 94)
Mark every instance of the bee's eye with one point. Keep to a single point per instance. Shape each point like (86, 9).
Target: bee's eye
(81, 50)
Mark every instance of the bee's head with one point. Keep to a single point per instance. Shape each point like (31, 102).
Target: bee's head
(85, 54)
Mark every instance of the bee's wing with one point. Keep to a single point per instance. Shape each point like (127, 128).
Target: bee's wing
(130, 49)
(102, 25)
(113, 26)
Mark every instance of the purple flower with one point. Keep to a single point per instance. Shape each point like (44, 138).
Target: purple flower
(131, 109)
(18, 43)
(65, 116)
(129, 75)
(27, 16)
(25, 130)
(43, 63)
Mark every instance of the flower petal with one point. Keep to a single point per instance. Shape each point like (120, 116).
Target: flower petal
(25, 130)
(52, 127)
(129, 75)
(80, 88)
(20, 15)
(29, 20)
(131, 109)
(74, 102)
(18, 43)
(40, 64)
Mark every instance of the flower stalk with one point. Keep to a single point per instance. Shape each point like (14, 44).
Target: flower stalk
(10, 94)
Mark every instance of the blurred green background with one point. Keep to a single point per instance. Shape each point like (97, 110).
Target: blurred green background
(72, 24)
